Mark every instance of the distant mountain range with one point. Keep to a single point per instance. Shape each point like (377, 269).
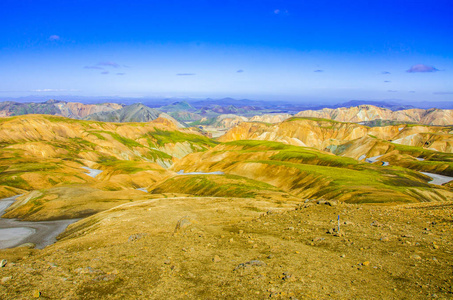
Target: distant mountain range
(366, 113)
(53, 107)
(226, 115)
(132, 113)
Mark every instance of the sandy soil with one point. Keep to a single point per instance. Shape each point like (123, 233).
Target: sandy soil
(226, 248)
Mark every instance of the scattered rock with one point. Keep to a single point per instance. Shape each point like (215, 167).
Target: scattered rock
(3, 263)
(287, 276)
(87, 270)
(6, 279)
(36, 294)
(417, 257)
(108, 277)
(216, 259)
(385, 239)
(252, 263)
(366, 263)
(376, 224)
(137, 236)
(182, 224)
(318, 239)
(332, 203)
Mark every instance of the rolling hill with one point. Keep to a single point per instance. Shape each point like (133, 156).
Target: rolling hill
(364, 113)
(269, 219)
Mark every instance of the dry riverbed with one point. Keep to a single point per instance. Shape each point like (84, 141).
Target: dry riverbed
(14, 232)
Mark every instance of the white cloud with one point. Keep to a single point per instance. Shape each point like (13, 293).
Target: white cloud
(54, 37)
(422, 69)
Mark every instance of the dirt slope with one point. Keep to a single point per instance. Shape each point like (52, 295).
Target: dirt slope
(235, 248)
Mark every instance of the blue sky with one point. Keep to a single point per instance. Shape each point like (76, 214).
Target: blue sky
(314, 50)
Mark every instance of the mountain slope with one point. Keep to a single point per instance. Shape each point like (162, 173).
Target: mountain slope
(132, 113)
(73, 110)
(363, 113)
(177, 107)
(309, 173)
(38, 151)
(324, 134)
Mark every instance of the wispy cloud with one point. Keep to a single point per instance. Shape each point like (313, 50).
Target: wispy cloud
(105, 72)
(385, 73)
(103, 66)
(53, 90)
(318, 71)
(411, 92)
(279, 11)
(54, 37)
(443, 93)
(120, 74)
(421, 69)
(240, 71)
(94, 67)
(109, 64)
(185, 74)
(387, 81)
(392, 91)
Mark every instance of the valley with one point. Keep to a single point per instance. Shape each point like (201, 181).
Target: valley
(158, 205)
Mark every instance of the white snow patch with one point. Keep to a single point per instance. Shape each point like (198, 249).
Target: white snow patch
(438, 179)
(372, 159)
(92, 172)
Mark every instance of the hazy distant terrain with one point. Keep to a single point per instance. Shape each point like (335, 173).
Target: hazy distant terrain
(225, 113)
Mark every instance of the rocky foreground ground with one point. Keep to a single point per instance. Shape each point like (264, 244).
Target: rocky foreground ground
(229, 248)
